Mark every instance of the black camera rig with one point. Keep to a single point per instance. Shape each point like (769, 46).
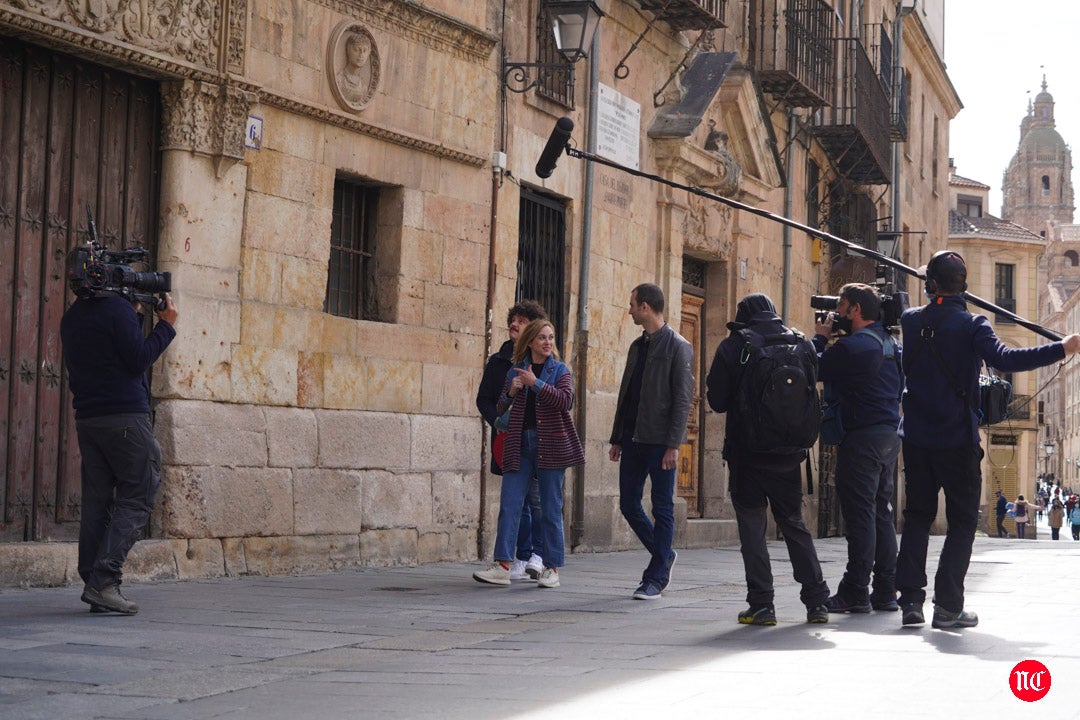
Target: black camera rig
(93, 271)
(893, 305)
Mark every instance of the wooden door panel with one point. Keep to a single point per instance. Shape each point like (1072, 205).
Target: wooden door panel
(71, 134)
(687, 477)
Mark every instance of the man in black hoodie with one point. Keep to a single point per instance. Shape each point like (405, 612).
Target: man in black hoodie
(759, 480)
(530, 546)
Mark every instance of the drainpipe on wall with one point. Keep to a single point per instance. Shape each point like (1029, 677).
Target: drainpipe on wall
(785, 286)
(581, 342)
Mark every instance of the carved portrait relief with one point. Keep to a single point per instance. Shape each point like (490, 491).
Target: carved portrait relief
(352, 65)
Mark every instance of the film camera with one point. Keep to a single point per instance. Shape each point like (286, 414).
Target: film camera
(93, 271)
(893, 306)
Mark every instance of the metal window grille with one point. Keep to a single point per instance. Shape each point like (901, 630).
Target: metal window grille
(556, 84)
(541, 256)
(1004, 290)
(350, 286)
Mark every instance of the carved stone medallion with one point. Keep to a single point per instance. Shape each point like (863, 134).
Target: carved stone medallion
(353, 66)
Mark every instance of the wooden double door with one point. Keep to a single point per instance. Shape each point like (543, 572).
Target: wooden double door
(72, 134)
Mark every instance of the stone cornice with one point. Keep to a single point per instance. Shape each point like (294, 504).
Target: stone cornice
(428, 27)
(351, 122)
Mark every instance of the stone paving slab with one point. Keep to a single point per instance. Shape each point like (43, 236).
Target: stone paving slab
(429, 642)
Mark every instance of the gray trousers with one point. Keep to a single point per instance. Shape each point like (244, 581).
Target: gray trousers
(753, 489)
(121, 472)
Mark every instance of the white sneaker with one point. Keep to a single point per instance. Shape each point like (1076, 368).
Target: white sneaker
(496, 575)
(517, 570)
(535, 566)
(549, 578)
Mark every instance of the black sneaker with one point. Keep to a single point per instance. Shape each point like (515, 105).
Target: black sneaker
(647, 591)
(912, 614)
(943, 619)
(819, 614)
(837, 604)
(763, 615)
(884, 602)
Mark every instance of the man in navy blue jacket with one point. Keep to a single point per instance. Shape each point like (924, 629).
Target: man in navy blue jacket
(107, 357)
(862, 370)
(944, 346)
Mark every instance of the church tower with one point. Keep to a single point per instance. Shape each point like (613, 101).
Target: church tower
(1037, 188)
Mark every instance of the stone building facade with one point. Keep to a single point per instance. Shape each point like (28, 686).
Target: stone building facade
(345, 193)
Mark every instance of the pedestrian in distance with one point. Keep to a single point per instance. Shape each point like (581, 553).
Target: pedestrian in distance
(107, 358)
(944, 348)
(1074, 521)
(1020, 515)
(529, 559)
(861, 371)
(764, 462)
(1056, 518)
(649, 428)
(1001, 510)
(541, 440)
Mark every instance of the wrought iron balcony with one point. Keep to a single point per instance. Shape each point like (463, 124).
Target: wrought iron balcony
(901, 101)
(688, 14)
(855, 130)
(791, 47)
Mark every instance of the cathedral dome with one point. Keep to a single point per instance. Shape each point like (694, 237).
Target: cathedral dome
(1043, 139)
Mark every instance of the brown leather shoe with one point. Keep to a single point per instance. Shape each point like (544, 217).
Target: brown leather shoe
(110, 599)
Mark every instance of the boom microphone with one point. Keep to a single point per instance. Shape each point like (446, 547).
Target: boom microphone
(560, 138)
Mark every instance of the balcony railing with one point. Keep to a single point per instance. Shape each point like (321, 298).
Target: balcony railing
(855, 130)
(791, 47)
(901, 101)
(688, 14)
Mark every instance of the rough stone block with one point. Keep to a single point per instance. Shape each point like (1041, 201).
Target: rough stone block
(396, 501)
(152, 560)
(303, 283)
(388, 547)
(446, 443)
(38, 564)
(432, 547)
(455, 498)
(292, 437)
(356, 440)
(226, 502)
(209, 433)
(449, 390)
(199, 558)
(290, 554)
(235, 558)
(260, 275)
(457, 309)
(263, 376)
(327, 501)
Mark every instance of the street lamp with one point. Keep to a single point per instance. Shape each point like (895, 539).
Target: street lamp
(574, 23)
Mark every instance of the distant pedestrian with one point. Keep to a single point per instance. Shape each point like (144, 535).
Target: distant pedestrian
(1074, 519)
(1020, 515)
(1056, 518)
(1001, 510)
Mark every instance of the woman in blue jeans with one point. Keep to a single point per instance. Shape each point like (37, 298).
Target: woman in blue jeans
(539, 391)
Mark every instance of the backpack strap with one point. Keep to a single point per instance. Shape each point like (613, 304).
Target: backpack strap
(927, 335)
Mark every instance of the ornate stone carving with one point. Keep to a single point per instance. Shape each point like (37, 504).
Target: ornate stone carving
(411, 20)
(353, 66)
(234, 51)
(205, 118)
(186, 29)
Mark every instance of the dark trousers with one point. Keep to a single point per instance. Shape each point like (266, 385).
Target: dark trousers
(753, 489)
(1001, 531)
(1054, 532)
(926, 471)
(865, 468)
(638, 461)
(121, 471)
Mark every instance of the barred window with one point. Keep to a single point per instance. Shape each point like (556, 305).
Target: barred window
(558, 84)
(541, 256)
(351, 282)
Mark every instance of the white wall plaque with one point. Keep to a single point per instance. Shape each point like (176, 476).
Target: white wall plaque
(618, 126)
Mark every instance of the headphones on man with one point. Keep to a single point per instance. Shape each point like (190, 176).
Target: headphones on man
(936, 266)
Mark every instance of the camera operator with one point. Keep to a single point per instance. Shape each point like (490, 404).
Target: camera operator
(107, 358)
(944, 346)
(862, 372)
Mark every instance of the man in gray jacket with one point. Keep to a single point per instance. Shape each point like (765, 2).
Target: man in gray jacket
(650, 425)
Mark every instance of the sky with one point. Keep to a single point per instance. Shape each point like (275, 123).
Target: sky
(996, 54)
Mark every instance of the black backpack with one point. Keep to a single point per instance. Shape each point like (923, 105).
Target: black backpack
(776, 401)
